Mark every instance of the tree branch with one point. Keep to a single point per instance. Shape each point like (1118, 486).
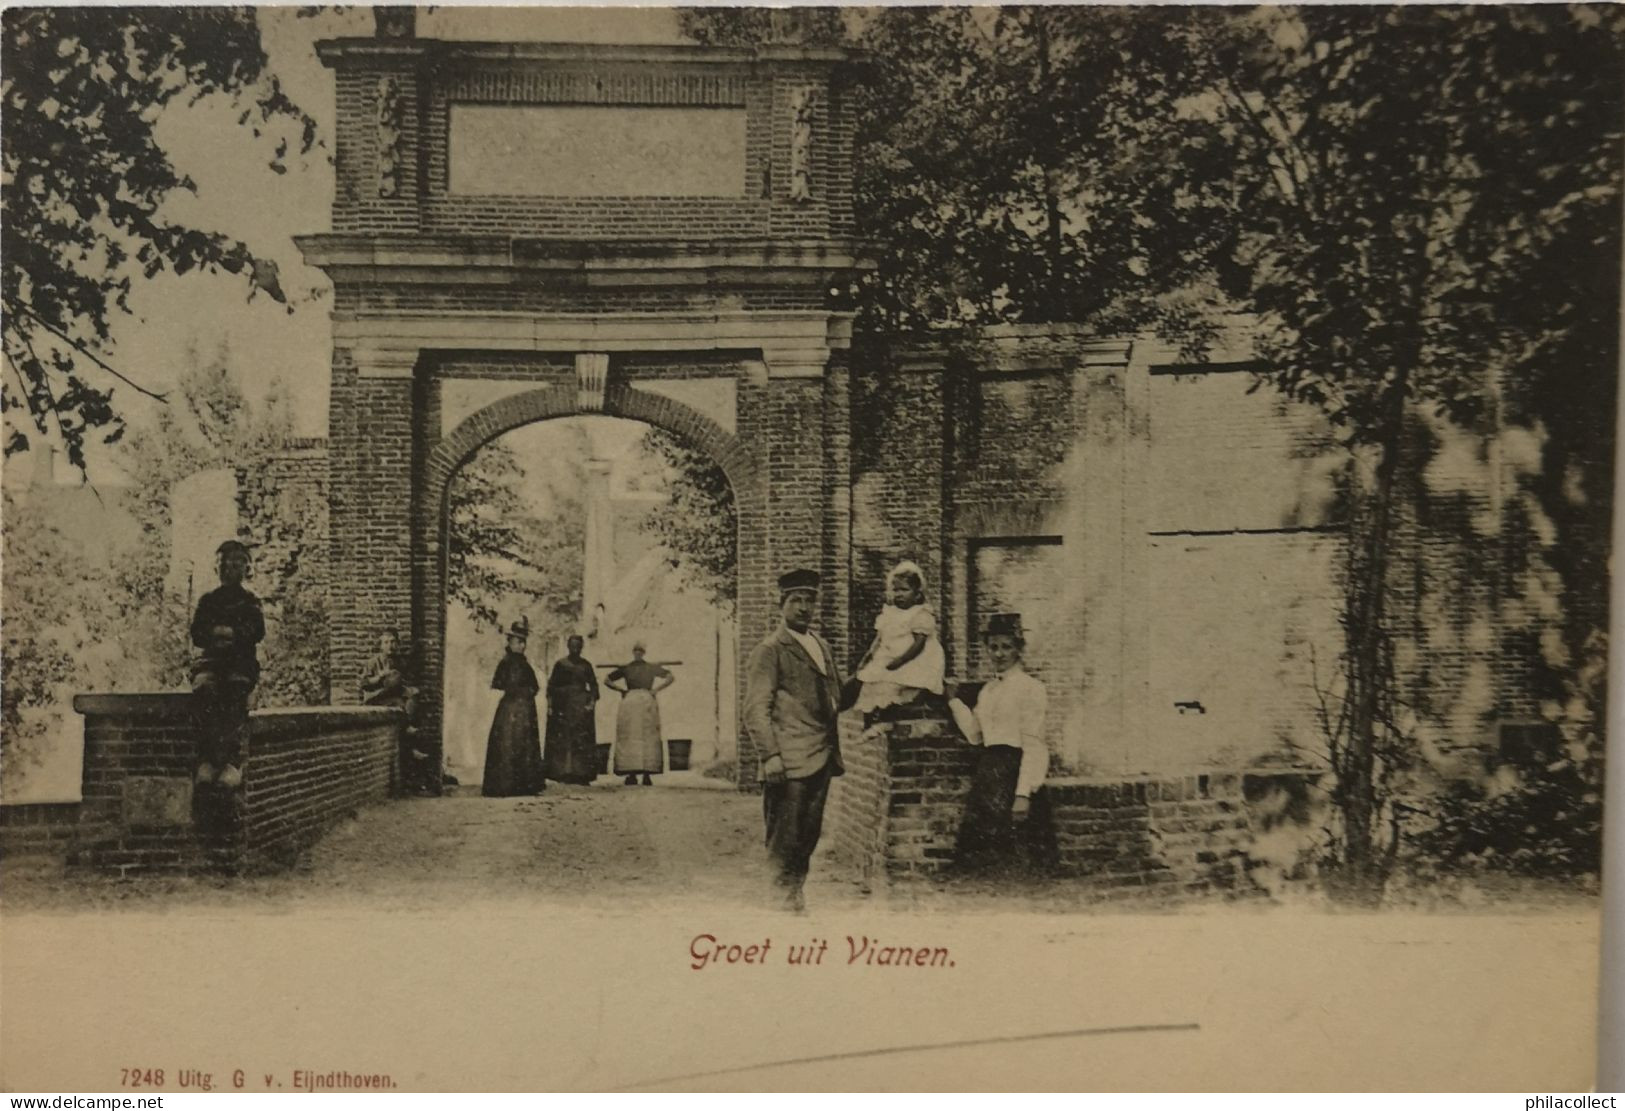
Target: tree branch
(45, 384)
(1271, 143)
(28, 396)
(28, 310)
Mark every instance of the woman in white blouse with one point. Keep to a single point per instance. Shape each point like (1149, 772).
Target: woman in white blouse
(1009, 726)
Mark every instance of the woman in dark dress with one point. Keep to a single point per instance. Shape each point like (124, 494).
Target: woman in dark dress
(513, 753)
(572, 700)
(637, 723)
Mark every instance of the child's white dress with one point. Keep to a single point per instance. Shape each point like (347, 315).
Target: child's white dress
(894, 632)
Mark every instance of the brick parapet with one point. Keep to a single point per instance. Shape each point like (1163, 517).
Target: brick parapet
(303, 770)
(895, 816)
(37, 828)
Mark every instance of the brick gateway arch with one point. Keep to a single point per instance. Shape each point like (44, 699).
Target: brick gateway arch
(548, 403)
(515, 237)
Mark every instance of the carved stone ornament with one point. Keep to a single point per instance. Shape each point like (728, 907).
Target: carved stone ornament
(802, 108)
(390, 115)
(395, 22)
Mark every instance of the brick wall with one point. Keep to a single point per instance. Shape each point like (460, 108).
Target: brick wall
(895, 816)
(309, 769)
(37, 829)
(135, 813)
(371, 480)
(896, 504)
(304, 770)
(1185, 835)
(895, 813)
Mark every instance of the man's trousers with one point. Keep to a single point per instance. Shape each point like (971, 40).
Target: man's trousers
(794, 811)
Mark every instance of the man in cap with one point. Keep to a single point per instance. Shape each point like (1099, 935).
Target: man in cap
(792, 688)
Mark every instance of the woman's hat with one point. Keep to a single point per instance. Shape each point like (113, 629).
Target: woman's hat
(520, 628)
(1002, 624)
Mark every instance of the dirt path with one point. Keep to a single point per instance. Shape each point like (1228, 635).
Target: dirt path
(572, 841)
(686, 839)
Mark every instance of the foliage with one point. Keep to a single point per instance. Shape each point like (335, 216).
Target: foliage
(1541, 816)
(1399, 174)
(1003, 156)
(212, 425)
(1417, 208)
(697, 523)
(62, 625)
(516, 540)
(87, 185)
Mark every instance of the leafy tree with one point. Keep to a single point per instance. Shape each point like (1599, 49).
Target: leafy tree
(62, 630)
(1416, 207)
(1003, 155)
(697, 523)
(1402, 179)
(75, 622)
(517, 537)
(87, 186)
(211, 425)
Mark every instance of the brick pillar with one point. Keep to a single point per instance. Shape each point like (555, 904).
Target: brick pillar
(371, 468)
(837, 563)
(784, 522)
(1100, 551)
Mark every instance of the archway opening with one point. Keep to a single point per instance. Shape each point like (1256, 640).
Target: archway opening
(608, 528)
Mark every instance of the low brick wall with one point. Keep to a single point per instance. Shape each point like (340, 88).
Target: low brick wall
(304, 770)
(1174, 835)
(894, 816)
(37, 828)
(310, 768)
(895, 813)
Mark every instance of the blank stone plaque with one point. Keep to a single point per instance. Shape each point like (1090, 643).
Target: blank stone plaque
(157, 801)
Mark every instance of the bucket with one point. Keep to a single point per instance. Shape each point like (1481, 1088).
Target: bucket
(678, 751)
(603, 760)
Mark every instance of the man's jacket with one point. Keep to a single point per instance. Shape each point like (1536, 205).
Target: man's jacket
(790, 706)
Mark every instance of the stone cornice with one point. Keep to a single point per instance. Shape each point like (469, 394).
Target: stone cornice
(419, 259)
(793, 344)
(337, 52)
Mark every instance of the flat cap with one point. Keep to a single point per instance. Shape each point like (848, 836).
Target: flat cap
(800, 579)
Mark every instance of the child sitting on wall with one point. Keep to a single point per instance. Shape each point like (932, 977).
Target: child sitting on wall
(906, 660)
(227, 626)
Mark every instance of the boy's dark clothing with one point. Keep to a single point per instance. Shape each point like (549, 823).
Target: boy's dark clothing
(225, 672)
(236, 608)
